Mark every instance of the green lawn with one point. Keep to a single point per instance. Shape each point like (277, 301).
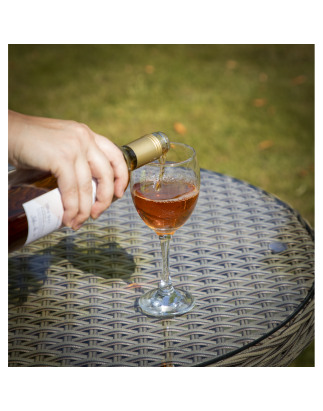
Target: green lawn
(248, 110)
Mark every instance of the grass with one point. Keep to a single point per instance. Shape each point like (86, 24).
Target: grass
(248, 110)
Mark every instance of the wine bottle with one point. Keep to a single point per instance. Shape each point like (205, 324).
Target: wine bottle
(35, 206)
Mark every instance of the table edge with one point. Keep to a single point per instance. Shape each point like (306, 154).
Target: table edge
(309, 295)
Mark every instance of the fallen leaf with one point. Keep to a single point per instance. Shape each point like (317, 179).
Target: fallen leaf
(303, 173)
(35, 54)
(179, 128)
(263, 77)
(265, 144)
(231, 64)
(299, 80)
(149, 69)
(259, 102)
(271, 110)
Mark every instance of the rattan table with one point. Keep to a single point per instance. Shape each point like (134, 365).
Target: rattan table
(246, 256)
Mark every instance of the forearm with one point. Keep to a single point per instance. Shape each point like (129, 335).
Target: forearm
(15, 125)
(22, 130)
(30, 136)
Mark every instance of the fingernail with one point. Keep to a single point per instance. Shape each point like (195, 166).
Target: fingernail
(78, 227)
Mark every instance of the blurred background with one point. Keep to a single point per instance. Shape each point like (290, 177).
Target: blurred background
(248, 110)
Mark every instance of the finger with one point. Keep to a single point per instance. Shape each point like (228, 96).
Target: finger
(84, 183)
(103, 172)
(117, 161)
(67, 183)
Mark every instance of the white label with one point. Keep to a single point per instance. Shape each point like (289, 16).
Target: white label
(45, 213)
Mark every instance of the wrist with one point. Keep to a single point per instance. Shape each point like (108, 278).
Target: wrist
(20, 126)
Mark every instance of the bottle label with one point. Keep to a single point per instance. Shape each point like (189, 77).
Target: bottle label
(45, 213)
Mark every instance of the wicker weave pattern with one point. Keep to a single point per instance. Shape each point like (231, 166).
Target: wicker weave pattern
(281, 348)
(73, 299)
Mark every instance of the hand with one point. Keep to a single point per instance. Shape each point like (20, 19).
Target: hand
(73, 153)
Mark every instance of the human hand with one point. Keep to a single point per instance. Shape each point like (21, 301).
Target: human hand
(73, 153)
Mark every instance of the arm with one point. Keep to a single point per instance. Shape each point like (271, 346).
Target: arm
(73, 153)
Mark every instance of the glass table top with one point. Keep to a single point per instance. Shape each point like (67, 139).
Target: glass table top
(247, 257)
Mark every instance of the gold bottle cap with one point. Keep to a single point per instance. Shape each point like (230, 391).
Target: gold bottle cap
(146, 148)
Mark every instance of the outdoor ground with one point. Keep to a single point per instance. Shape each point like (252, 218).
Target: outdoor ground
(248, 110)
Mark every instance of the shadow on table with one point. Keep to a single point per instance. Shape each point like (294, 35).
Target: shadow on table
(27, 274)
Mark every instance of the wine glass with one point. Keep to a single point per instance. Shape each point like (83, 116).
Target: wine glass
(165, 197)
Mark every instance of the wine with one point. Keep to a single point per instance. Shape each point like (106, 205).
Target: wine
(162, 160)
(167, 209)
(35, 205)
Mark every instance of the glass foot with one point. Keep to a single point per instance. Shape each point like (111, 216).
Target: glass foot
(162, 304)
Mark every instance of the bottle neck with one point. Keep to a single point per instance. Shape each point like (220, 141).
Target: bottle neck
(130, 157)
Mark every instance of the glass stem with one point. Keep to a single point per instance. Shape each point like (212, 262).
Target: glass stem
(165, 286)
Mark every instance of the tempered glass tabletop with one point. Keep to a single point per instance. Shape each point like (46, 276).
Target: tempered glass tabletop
(247, 257)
